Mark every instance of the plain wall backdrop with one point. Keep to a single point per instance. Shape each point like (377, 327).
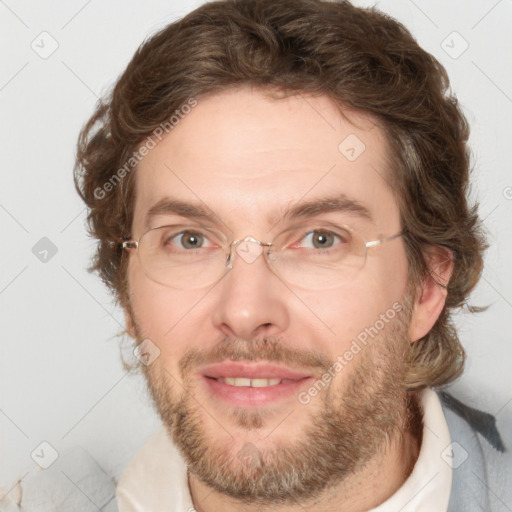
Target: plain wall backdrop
(62, 381)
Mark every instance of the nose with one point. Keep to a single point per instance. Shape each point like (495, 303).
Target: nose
(252, 301)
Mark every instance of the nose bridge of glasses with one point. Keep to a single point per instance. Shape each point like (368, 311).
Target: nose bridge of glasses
(248, 249)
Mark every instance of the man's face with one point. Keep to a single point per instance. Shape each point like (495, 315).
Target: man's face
(250, 160)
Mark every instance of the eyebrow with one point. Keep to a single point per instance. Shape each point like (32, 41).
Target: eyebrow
(311, 208)
(339, 203)
(170, 206)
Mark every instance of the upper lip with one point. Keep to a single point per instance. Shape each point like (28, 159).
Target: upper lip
(251, 371)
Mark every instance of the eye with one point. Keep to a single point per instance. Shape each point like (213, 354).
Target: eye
(325, 239)
(189, 240)
(321, 239)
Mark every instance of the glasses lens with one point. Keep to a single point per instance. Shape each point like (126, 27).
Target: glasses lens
(181, 256)
(313, 256)
(318, 256)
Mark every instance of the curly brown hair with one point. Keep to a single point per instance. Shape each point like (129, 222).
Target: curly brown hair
(361, 59)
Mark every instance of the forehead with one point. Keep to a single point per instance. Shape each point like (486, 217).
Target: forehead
(249, 158)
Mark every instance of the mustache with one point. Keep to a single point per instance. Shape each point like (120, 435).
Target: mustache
(269, 349)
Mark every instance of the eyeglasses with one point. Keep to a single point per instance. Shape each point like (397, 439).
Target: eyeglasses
(312, 256)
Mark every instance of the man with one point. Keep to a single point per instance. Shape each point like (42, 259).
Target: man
(279, 193)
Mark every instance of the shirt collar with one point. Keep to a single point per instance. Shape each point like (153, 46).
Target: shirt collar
(428, 486)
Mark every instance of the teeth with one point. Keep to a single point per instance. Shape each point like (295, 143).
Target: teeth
(254, 383)
(263, 383)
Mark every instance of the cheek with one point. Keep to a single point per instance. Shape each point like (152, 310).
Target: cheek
(166, 316)
(348, 311)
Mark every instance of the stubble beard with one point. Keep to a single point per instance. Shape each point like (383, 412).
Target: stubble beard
(344, 431)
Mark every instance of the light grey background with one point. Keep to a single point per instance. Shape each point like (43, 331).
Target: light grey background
(61, 377)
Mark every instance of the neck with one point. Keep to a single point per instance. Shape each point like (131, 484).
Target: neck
(370, 486)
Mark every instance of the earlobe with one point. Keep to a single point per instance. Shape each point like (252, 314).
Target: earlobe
(431, 294)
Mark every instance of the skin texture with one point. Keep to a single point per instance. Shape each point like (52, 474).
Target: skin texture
(249, 158)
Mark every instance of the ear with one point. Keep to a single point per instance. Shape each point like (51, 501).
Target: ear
(431, 293)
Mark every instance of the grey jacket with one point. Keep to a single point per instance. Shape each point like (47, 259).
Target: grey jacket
(482, 466)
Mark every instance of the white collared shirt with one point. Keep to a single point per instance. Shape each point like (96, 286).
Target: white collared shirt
(428, 486)
(156, 478)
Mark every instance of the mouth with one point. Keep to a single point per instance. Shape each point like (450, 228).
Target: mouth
(252, 385)
(243, 382)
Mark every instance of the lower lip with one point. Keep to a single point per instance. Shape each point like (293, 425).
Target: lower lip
(242, 396)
